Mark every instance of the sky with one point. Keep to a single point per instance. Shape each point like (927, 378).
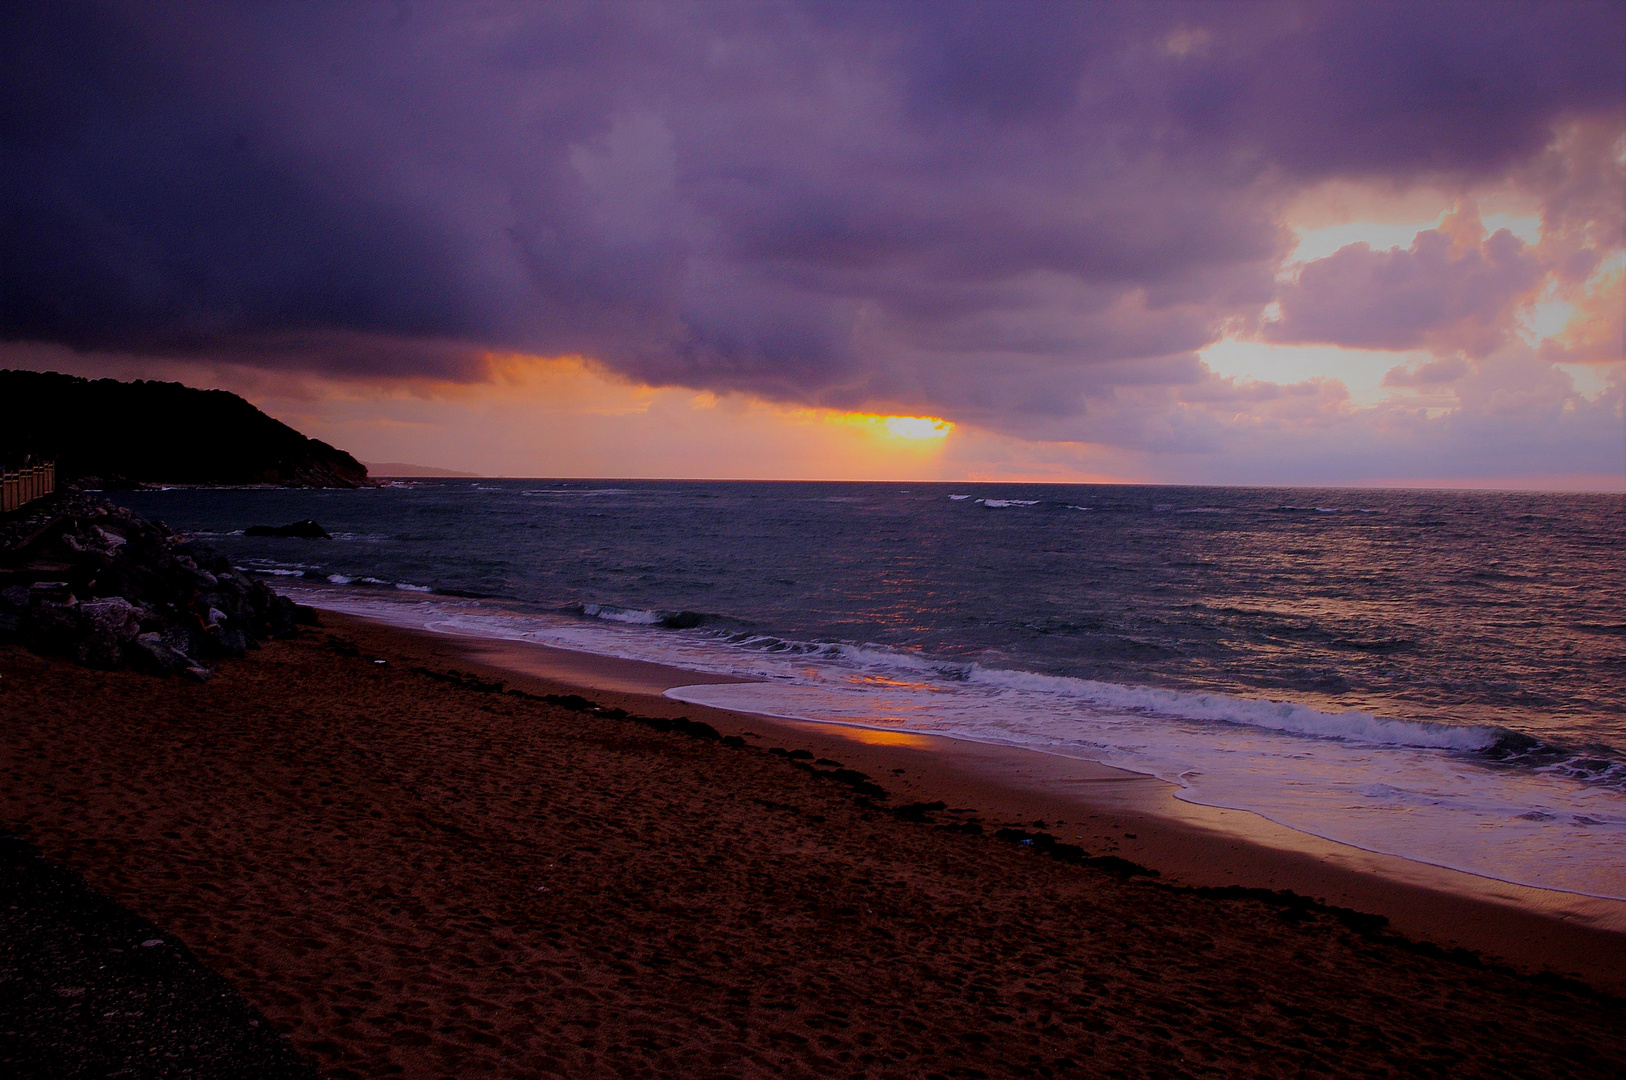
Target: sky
(1235, 243)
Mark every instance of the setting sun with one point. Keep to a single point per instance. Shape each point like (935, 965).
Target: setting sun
(917, 427)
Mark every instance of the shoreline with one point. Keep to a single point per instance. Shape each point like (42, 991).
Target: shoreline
(412, 868)
(1106, 810)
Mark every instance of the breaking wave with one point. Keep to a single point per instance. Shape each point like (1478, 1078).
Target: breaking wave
(1276, 715)
(670, 620)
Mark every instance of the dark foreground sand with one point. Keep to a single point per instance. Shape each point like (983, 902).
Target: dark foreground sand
(415, 876)
(89, 988)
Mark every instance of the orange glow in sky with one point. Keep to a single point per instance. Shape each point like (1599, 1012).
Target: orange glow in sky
(916, 427)
(566, 416)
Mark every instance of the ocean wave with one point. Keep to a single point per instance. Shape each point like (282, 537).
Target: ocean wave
(1000, 504)
(1281, 716)
(1430, 792)
(1378, 790)
(1589, 769)
(881, 666)
(1287, 717)
(361, 581)
(278, 568)
(670, 620)
(1594, 766)
(899, 661)
(768, 643)
(462, 594)
(577, 492)
(386, 583)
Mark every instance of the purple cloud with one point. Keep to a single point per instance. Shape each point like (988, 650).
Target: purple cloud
(1016, 215)
(1447, 291)
(1427, 374)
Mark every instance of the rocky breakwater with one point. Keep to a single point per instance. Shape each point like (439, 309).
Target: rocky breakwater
(84, 579)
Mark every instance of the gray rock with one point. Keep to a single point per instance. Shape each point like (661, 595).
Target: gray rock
(233, 643)
(112, 615)
(49, 592)
(150, 654)
(182, 639)
(307, 530)
(135, 593)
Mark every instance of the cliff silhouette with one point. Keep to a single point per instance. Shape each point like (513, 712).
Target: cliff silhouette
(159, 432)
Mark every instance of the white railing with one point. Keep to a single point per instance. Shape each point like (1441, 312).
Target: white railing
(25, 484)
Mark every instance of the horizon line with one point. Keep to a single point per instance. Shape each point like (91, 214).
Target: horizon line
(1508, 488)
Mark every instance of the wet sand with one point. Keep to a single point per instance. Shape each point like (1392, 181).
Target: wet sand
(1112, 811)
(412, 873)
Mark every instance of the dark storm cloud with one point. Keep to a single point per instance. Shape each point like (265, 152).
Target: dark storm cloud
(144, 210)
(993, 211)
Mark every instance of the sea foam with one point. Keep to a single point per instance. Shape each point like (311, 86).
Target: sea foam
(1406, 788)
(1276, 715)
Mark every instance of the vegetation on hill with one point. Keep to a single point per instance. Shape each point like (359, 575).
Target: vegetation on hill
(159, 432)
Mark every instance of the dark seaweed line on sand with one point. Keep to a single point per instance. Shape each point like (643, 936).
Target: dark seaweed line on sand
(1291, 907)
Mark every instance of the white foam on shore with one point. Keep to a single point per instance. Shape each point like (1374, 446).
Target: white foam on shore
(1276, 715)
(1394, 786)
(1421, 804)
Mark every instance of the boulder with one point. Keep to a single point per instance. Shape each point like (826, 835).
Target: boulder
(229, 642)
(150, 653)
(305, 530)
(49, 592)
(123, 591)
(114, 616)
(188, 641)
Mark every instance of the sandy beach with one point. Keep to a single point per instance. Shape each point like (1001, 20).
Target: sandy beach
(411, 870)
(1130, 815)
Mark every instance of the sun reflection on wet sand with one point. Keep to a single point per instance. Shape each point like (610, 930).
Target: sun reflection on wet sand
(873, 737)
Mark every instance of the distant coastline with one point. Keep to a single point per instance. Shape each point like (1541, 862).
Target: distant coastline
(395, 470)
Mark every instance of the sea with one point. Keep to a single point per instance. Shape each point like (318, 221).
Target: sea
(1435, 675)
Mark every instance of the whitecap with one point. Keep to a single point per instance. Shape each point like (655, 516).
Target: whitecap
(611, 613)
